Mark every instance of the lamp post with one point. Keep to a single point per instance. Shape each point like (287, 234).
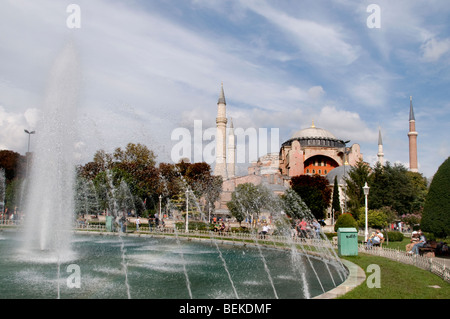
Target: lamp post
(29, 137)
(28, 153)
(345, 164)
(366, 193)
(160, 217)
(187, 210)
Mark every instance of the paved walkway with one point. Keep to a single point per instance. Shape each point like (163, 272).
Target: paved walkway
(355, 278)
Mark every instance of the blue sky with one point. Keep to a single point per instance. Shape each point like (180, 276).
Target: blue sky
(149, 67)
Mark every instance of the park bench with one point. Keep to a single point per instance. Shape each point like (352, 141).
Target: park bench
(429, 249)
(379, 244)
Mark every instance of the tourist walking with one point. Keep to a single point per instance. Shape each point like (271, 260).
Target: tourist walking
(138, 222)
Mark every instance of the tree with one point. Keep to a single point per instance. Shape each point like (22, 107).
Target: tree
(345, 220)
(135, 154)
(314, 191)
(236, 210)
(336, 203)
(392, 185)
(436, 213)
(13, 164)
(294, 206)
(357, 177)
(249, 200)
(375, 218)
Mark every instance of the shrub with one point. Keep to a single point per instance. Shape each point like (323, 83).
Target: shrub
(194, 225)
(345, 220)
(330, 235)
(394, 236)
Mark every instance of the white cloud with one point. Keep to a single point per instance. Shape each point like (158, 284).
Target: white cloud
(345, 125)
(320, 43)
(316, 92)
(12, 126)
(433, 50)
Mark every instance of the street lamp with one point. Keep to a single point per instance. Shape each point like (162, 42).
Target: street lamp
(28, 153)
(366, 193)
(160, 217)
(29, 136)
(187, 210)
(345, 164)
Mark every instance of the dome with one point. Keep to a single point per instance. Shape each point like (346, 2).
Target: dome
(314, 132)
(339, 172)
(315, 137)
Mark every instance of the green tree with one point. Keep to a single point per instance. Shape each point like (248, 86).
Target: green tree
(358, 175)
(436, 213)
(249, 200)
(293, 205)
(392, 185)
(314, 191)
(336, 203)
(376, 218)
(420, 191)
(345, 220)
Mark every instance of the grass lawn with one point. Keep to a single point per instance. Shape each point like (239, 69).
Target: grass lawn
(398, 281)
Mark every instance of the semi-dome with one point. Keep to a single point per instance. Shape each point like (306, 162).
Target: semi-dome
(340, 172)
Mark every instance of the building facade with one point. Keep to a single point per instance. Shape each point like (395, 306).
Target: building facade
(315, 151)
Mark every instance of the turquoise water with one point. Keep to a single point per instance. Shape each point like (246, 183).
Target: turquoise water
(153, 268)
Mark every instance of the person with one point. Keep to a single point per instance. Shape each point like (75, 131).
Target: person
(374, 239)
(316, 226)
(414, 240)
(138, 222)
(421, 243)
(303, 228)
(123, 224)
(380, 235)
(265, 230)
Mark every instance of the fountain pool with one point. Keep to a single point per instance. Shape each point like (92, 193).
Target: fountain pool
(155, 268)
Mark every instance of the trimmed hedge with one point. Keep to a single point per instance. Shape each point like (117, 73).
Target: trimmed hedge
(394, 236)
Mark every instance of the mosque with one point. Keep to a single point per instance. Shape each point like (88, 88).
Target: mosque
(310, 151)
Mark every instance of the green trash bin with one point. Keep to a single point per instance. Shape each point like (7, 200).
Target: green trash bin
(109, 224)
(347, 242)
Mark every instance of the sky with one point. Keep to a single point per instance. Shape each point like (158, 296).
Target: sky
(149, 68)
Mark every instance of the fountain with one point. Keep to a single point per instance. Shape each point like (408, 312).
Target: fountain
(49, 203)
(135, 266)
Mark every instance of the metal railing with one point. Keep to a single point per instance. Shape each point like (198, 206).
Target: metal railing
(433, 265)
(430, 264)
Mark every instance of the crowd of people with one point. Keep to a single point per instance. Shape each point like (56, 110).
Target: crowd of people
(307, 229)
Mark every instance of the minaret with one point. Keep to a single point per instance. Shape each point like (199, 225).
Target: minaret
(231, 156)
(412, 135)
(221, 124)
(380, 154)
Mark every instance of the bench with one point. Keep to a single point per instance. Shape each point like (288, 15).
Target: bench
(379, 244)
(429, 249)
